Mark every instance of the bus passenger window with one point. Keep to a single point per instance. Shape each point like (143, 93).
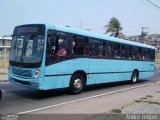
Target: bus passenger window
(146, 54)
(116, 50)
(152, 55)
(51, 45)
(96, 48)
(80, 46)
(126, 52)
(57, 47)
(107, 50)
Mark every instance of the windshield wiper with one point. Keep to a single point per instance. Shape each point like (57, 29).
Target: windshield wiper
(17, 50)
(27, 39)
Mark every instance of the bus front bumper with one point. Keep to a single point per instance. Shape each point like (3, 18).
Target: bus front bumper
(26, 82)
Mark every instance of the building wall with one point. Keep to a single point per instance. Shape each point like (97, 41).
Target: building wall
(7, 44)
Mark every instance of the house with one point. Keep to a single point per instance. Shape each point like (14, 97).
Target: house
(153, 39)
(5, 42)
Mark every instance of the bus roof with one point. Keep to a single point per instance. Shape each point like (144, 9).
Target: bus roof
(95, 35)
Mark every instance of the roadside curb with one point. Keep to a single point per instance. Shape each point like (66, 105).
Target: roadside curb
(3, 80)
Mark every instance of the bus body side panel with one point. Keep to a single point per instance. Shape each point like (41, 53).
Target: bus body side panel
(110, 70)
(58, 75)
(97, 69)
(103, 70)
(143, 75)
(145, 69)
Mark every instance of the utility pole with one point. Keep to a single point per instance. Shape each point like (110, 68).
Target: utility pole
(80, 25)
(88, 29)
(143, 34)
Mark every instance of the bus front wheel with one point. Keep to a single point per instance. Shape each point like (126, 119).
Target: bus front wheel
(134, 77)
(77, 84)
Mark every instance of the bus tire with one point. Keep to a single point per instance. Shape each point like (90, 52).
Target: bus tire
(77, 84)
(134, 77)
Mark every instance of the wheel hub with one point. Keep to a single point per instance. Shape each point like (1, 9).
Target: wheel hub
(134, 78)
(77, 84)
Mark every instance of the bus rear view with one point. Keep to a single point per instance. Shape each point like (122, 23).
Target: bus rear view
(27, 55)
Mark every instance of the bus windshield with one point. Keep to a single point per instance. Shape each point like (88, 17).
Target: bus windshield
(27, 48)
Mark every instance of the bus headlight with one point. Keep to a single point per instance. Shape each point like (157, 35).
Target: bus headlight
(37, 73)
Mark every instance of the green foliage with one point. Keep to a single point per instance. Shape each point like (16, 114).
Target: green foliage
(114, 26)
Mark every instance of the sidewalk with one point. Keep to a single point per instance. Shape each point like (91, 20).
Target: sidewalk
(141, 100)
(3, 75)
(3, 78)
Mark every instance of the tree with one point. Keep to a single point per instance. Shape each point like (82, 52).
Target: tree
(114, 27)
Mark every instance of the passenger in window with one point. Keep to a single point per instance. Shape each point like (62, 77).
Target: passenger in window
(51, 48)
(143, 57)
(139, 57)
(129, 56)
(133, 56)
(100, 54)
(100, 51)
(108, 51)
(116, 55)
(86, 51)
(122, 54)
(61, 51)
(92, 50)
(51, 51)
(104, 53)
(73, 46)
(77, 47)
(107, 54)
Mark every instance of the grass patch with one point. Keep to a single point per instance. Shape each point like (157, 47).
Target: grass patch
(116, 110)
(144, 98)
(152, 102)
(149, 96)
(158, 92)
(158, 56)
(138, 101)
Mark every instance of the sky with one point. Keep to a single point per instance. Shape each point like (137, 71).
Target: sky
(81, 14)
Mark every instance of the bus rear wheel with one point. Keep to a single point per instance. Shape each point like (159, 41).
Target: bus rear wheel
(134, 77)
(77, 84)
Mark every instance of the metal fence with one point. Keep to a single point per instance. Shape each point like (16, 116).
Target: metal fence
(4, 61)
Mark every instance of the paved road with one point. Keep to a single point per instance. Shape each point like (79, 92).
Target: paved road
(17, 99)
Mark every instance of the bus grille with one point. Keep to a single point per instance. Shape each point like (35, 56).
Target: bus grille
(21, 72)
(22, 82)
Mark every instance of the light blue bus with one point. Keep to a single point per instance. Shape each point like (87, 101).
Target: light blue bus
(48, 56)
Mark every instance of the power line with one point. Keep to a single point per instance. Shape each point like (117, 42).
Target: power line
(153, 4)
